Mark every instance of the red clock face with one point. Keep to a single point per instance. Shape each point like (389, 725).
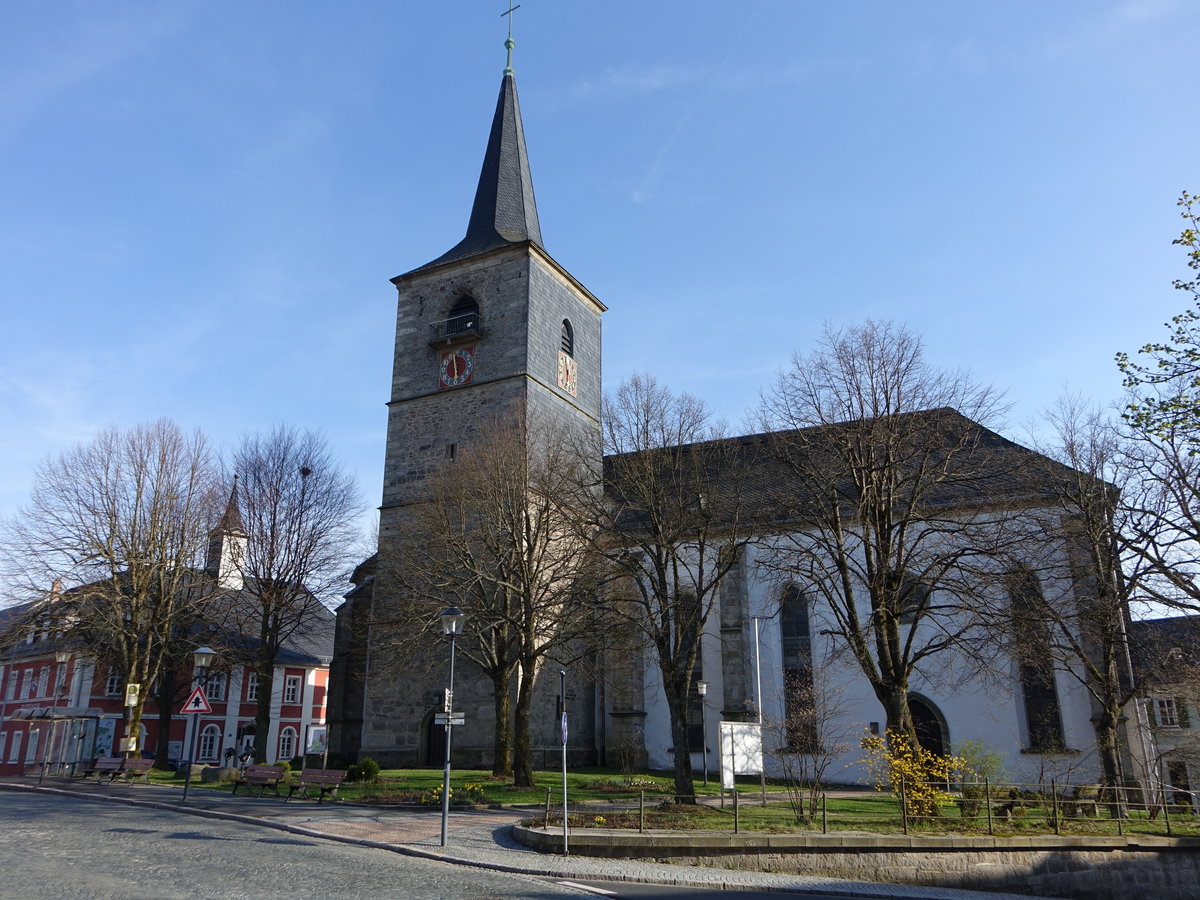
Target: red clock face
(456, 367)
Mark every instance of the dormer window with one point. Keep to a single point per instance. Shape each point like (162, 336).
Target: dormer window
(462, 322)
(568, 338)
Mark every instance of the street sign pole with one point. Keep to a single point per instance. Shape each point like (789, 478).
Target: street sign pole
(195, 705)
(562, 687)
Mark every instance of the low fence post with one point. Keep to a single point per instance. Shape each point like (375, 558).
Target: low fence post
(1120, 807)
(735, 811)
(903, 806)
(1054, 805)
(641, 811)
(987, 801)
(1166, 811)
(546, 820)
(824, 813)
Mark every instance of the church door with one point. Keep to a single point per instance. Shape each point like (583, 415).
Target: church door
(927, 720)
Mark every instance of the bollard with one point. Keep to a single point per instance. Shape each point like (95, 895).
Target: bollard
(641, 811)
(735, 811)
(546, 820)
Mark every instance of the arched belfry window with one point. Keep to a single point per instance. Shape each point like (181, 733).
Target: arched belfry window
(461, 321)
(799, 696)
(568, 338)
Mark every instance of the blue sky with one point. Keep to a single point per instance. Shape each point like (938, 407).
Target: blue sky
(203, 201)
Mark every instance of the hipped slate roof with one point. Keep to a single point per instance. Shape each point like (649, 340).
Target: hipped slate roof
(504, 211)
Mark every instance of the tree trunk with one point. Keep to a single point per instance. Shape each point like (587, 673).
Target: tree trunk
(522, 739)
(502, 741)
(1108, 745)
(898, 717)
(166, 712)
(685, 788)
(262, 714)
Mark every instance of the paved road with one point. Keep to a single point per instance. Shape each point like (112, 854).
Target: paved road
(66, 847)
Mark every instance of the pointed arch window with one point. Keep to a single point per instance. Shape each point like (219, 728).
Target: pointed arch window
(1035, 667)
(799, 701)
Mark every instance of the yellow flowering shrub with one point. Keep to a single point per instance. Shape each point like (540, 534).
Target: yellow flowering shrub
(910, 772)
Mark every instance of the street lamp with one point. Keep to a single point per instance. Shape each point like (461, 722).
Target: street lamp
(60, 658)
(202, 657)
(452, 622)
(702, 690)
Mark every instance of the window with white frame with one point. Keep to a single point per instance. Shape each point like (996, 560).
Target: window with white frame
(30, 684)
(287, 743)
(251, 686)
(43, 683)
(210, 740)
(215, 689)
(291, 690)
(14, 752)
(1166, 712)
(3, 740)
(112, 685)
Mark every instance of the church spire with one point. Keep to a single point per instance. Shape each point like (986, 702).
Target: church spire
(504, 211)
(227, 545)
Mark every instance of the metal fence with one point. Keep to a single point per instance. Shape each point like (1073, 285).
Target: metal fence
(984, 807)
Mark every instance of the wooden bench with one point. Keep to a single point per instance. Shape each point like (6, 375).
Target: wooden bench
(326, 781)
(262, 776)
(132, 768)
(104, 765)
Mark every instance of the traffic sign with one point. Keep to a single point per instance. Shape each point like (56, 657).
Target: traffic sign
(455, 718)
(197, 702)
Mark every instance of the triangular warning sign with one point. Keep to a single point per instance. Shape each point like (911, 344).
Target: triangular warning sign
(196, 702)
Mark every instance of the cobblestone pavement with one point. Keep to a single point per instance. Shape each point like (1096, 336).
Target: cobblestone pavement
(479, 838)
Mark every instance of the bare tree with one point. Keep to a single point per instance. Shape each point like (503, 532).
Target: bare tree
(673, 523)
(891, 502)
(297, 510)
(1074, 618)
(500, 537)
(811, 737)
(124, 518)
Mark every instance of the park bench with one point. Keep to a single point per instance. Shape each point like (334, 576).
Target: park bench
(325, 781)
(134, 768)
(104, 765)
(262, 776)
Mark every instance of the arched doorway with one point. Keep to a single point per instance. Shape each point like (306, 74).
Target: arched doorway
(435, 742)
(929, 725)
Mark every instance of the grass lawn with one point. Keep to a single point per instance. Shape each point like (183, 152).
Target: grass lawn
(611, 803)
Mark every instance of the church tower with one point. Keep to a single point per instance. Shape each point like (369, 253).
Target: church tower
(493, 326)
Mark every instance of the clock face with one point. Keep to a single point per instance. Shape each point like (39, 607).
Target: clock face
(568, 371)
(456, 367)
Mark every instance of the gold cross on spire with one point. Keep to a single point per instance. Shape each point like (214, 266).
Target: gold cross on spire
(509, 44)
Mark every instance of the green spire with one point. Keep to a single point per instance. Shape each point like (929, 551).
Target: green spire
(510, 43)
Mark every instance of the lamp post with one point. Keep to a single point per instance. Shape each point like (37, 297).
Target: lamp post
(702, 690)
(758, 704)
(452, 622)
(203, 658)
(60, 659)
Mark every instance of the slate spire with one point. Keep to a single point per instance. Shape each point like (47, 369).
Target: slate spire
(231, 520)
(504, 211)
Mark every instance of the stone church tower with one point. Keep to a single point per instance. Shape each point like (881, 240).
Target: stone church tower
(493, 326)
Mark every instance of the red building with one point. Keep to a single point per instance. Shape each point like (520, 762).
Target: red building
(89, 700)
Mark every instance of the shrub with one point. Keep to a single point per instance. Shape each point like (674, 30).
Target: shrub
(916, 776)
(366, 769)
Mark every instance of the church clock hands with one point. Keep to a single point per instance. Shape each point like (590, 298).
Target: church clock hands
(457, 366)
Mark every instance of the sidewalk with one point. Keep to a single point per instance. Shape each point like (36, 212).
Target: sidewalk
(479, 838)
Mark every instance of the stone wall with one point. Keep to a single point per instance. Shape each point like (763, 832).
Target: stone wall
(1045, 866)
